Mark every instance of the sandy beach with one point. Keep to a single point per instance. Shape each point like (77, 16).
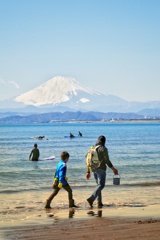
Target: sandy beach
(97, 228)
(132, 213)
(23, 216)
(107, 223)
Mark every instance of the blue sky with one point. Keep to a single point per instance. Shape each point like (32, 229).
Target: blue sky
(112, 46)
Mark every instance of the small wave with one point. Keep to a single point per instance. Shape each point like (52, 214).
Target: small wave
(143, 184)
(125, 204)
(81, 186)
(9, 191)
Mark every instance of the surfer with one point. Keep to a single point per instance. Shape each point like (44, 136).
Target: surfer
(34, 153)
(79, 134)
(71, 135)
(40, 137)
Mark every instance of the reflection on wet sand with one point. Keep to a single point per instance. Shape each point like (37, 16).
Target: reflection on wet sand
(93, 213)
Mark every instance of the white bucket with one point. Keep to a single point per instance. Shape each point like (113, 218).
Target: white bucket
(116, 180)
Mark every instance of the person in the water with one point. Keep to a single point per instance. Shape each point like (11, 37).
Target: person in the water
(79, 134)
(71, 135)
(40, 137)
(34, 155)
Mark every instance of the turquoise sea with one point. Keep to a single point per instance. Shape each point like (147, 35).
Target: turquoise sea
(134, 148)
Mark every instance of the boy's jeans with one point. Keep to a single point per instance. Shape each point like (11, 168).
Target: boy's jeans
(100, 177)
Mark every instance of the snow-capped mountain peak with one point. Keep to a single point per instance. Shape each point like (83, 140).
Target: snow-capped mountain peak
(56, 90)
(66, 94)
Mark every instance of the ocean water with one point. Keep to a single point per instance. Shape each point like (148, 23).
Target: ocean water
(134, 149)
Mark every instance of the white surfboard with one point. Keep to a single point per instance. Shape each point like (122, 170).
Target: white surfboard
(50, 158)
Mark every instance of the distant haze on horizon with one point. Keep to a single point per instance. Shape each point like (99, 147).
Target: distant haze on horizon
(110, 46)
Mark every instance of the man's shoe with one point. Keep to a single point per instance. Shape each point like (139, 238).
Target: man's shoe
(100, 205)
(90, 202)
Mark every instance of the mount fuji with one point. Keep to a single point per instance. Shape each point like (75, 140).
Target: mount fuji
(56, 91)
(65, 93)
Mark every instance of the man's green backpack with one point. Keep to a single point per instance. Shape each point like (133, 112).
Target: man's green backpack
(92, 160)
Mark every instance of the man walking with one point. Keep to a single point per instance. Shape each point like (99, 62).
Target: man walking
(100, 172)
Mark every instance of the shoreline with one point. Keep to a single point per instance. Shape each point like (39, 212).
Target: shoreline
(148, 120)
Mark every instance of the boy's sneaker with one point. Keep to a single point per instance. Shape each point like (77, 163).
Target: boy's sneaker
(47, 204)
(90, 202)
(75, 206)
(71, 204)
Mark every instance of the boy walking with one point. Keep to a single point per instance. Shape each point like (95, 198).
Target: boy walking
(60, 181)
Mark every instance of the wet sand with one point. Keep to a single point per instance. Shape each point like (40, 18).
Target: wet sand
(107, 223)
(97, 228)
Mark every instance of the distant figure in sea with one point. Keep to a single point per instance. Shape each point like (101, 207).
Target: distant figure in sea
(40, 137)
(79, 134)
(71, 135)
(60, 181)
(34, 155)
